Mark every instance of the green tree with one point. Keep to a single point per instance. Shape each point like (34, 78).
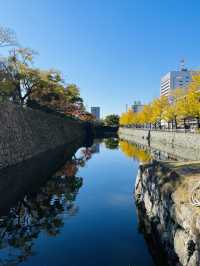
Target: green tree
(18, 78)
(20, 81)
(112, 120)
(111, 143)
(72, 93)
(49, 91)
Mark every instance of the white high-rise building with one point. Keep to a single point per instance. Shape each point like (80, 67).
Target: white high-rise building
(176, 79)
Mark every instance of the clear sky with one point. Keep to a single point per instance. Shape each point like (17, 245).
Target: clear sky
(115, 50)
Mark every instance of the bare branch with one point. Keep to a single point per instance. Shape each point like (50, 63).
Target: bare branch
(7, 37)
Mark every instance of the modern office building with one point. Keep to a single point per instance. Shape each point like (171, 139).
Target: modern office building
(95, 110)
(176, 79)
(137, 106)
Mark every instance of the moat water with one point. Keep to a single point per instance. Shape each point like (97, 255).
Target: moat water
(84, 215)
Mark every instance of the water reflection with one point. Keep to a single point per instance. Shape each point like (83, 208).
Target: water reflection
(42, 211)
(144, 153)
(111, 143)
(95, 148)
(36, 213)
(133, 151)
(102, 213)
(154, 242)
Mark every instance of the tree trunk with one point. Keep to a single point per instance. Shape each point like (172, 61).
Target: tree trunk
(17, 97)
(184, 123)
(198, 123)
(175, 123)
(160, 125)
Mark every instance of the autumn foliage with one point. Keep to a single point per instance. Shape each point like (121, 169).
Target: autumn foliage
(23, 84)
(131, 150)
(181, 105)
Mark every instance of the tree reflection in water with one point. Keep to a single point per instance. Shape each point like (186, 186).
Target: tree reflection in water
(111, 143)
(41, 212)
(135, 152)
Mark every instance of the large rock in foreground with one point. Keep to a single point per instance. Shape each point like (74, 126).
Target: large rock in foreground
(169, 221)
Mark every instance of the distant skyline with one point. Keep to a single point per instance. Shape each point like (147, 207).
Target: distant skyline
(116, 51)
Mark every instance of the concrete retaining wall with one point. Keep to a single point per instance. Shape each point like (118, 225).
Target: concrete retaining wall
(25, 133)
(184, 145)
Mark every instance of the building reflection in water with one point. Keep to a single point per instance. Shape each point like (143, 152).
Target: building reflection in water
(95, 148)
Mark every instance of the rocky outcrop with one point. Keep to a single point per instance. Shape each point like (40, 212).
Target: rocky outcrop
(167, 218)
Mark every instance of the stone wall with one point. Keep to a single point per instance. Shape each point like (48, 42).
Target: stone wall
(25, 133)
(180, 144)
(167, 218)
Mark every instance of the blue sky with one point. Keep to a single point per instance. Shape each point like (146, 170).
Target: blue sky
(114, 50)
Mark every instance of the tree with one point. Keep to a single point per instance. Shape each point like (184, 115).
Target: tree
(7, 37)
(170, 114)
(55, 95)
(49, 91)
(18, 77)
(74, 102)
(86, 116)
(193, 97)
(158, 108)
(111, 143)
(72, 92)
(20, 81)
(146, 115)
(172, 111)
(181, 104)
(112, 120)
(127, 118)
(122, 120)
(135, 118)
(183, 107)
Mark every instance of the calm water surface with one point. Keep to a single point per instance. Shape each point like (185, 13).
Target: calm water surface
(83, 216)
